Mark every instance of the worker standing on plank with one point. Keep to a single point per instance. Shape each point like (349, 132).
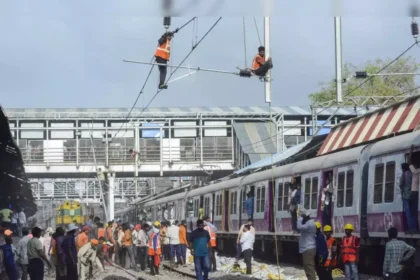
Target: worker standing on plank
(86, 257)
(162, 55)
(260, 66)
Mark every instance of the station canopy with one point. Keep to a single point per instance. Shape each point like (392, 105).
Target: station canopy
(398, 118)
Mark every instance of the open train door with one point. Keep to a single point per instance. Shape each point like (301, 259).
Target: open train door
(226, 212)
(270, 203)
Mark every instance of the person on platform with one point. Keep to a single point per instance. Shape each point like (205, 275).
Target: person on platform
(9, 259)
(212, 248)
(173, 235)
(162, 55)
(155, 251)
(60, 256)
(183, 242)
(110, 236)
(307, 243)
(82, 238)
(70, 251)
(199, 241)
(238, 240)
(350, 253)
(22, 253)
(36, 256)
(127, 244)
(247, 245)
(141, 245)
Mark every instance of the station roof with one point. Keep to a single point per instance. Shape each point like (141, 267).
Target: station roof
(119, 113)
(395, 119)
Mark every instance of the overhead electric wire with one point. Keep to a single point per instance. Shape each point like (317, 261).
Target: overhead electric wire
(347, 94)
(258, 32)
(145, 83)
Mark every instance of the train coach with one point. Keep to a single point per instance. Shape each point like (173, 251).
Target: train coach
(366, 194)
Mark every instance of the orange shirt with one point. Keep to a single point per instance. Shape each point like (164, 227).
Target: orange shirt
(183, 235)
(82, 239)
(127, 240)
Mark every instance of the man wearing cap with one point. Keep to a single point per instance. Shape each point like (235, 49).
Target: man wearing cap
(36, 256)
(70, 251)
(173, 235)
(307, 243)
(155, 249)
(141, 245)
(82, 238)
(87, 257)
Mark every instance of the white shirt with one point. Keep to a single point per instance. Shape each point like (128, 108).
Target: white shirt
(247, 241)
(172, 233)
(22, 218)
(415, 178)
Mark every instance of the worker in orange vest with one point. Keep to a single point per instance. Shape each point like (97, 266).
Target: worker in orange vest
(154, 249)
(162, 55)
(326, 270)
(260, 66)
(212, 246)
(350, 253)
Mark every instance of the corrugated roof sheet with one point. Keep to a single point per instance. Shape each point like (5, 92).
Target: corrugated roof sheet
(255, 139)
(168, 111)
(395, 119)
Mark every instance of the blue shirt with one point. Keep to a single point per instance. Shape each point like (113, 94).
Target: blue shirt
(69, 248)
(199, 240)
(321, 248)
(249, 206)
(9, 262)
(307, 235)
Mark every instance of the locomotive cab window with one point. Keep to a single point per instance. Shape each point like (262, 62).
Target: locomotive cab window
(384, 185)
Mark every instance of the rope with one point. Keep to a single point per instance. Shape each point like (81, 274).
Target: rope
(258, 32)
(244, 27)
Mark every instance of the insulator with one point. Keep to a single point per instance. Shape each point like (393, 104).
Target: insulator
(414, 29)
(166, 22)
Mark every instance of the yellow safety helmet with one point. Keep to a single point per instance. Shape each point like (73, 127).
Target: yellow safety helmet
(318, 224)
(156, 224)
(327, 228)
(349, 227)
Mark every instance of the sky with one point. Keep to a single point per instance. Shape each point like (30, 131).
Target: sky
(69, 54)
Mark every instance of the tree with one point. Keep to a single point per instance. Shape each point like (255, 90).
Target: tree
(377, 86)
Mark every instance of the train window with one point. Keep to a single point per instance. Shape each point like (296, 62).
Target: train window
(389, 182)
(340, 189)
(349, 188)
(260, 200)
(314, 193)
(280, 193)
(218, 205)
(307, 199)
(378, 184)
(207, 206)
(233, 203)
(286, 195)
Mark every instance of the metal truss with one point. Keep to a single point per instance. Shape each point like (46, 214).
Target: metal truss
(86, 188)
(360, 101)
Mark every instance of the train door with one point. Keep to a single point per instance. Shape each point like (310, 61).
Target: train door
(207, 206)
(201, 209)
(271, 194)
(213, 199)
(260, 212)
(283, 217)
(234, 209)
(309, 193)
(325, 205)
(226, 213)
(217, 220)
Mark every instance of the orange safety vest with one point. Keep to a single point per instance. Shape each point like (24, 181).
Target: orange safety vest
(212, 236)
(349, 249)
(255, 64)
(151, 249)
(101, 232)
(164, 51)
(330, 243)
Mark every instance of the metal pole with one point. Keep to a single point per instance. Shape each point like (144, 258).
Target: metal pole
(305, 128)
(267, 55)
(338, 58)
(136, 147)
(201, 138)
(111, 200)
(161, 152)
(106, 145)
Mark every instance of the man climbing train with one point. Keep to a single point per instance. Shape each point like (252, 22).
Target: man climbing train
(260, 66)
(163, 53)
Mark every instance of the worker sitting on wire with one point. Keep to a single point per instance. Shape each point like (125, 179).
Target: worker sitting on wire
(163, 53)
(260, 67)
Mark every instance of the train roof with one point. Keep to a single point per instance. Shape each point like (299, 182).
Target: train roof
(394, 144)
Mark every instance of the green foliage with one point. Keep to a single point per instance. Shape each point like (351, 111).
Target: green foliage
(377, 86)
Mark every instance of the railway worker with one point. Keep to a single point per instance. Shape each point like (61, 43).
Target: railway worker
(127, 245)
(86, 258)
(247, 245)
(82, 238)
(199, 241)
(155, 249)
(331, 262)
(164, 240)
(120, 258)
(350, 253)
(307, 243)
(58, 255)
(36, 256)
(260, 66)
(414, 199)
(102, 251)
(326, 200)
(405, 186)
(162, 55)
(173, 235)
(396, 253)
(110, 236)
(321, 250)
(249, 205)
(212, 248)
(183, 242)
